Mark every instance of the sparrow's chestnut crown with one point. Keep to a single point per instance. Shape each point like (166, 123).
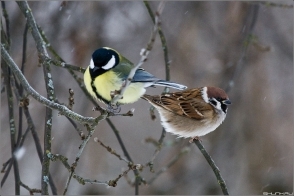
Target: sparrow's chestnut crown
(217, 93)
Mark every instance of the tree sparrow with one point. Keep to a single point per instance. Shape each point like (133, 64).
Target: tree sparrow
(193, 112)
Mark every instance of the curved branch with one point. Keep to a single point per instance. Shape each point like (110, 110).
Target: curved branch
(215, 169)
(61, 108)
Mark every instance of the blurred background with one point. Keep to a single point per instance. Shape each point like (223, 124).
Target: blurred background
(243, 47)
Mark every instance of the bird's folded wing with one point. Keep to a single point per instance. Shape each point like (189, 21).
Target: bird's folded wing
(143, 76)
(181, 106)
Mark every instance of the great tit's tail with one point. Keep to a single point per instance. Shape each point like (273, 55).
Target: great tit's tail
(170, 84)
(150, 80)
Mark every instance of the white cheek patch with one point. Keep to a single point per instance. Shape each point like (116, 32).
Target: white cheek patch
(110, 63)
(218, 104)
(91, 64)
(204, 94)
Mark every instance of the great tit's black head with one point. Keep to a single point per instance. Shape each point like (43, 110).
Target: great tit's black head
(103, 59)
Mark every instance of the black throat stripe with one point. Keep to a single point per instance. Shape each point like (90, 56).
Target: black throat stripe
(97, 95)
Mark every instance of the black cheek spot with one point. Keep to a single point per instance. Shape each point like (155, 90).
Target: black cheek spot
(224, 108)
(213, 102)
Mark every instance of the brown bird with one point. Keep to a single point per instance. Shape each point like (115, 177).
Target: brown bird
(191, 113)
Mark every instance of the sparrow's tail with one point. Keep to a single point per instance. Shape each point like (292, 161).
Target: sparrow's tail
(146, 97)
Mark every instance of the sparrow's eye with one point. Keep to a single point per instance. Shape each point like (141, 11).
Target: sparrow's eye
(219, 99)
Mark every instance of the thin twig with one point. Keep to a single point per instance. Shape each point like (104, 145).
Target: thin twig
(7, 171)
(32, 191)
(38, 146)
(163, 43)
(248, 29)
(171, 163)
(62, 64)
(20, 88)
(63, 159)
(138, 178)
(5, 165)
(109, 149)
(157, 150)
(82, 146)
(112, 183)
(10, 103)
(74, 124)
(213, 166)
(144, 53)
(5, 14)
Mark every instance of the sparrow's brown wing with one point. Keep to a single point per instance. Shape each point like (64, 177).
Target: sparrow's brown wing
(183, 103)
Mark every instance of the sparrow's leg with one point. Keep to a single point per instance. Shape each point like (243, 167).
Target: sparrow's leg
(194, 138)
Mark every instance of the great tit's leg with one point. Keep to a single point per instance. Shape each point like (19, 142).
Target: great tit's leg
(114, 109)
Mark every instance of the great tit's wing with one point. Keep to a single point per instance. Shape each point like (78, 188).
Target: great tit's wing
(143, 76)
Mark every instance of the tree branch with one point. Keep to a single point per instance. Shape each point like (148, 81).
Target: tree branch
(215, 169)
(61, 108)
(12, 126)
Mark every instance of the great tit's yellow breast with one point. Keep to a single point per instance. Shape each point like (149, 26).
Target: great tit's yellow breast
(109, 81)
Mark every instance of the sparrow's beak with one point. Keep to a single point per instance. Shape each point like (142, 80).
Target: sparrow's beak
(227, 102)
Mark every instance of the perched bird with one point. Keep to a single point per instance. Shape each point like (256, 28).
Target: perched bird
(107, 72)
(191, 113)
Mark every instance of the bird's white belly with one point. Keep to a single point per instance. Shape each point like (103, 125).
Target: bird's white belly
(194, 129)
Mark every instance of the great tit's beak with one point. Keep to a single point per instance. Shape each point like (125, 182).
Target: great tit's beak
(95, 68)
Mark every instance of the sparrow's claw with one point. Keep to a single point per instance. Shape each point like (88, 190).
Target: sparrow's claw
(194, 138)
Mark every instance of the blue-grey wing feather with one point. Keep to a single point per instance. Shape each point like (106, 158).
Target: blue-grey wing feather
(145, 77)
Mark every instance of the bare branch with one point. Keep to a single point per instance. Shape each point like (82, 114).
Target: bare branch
(116, 132)
(61, 108)
(171, 163)
(12, 126)
(42, 51)
(82, 146)
(32, 191)
(109, 149)
(213, 166)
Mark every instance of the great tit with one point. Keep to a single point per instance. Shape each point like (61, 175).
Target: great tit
(108, 70)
